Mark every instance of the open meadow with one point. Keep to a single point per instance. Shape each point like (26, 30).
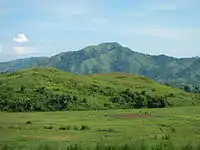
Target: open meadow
(56, 130)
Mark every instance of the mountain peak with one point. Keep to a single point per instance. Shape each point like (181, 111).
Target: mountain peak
(110, 44)
(102, 47)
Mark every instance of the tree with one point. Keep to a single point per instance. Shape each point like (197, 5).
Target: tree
(187, 88)
(196, 89)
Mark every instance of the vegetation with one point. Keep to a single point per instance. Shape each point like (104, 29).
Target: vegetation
(140, 100)
(143, 129)
(131, 146)
(191, 89)
(112, 57)
(46, 89)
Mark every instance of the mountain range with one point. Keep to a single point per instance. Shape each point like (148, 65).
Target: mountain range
(113, 57)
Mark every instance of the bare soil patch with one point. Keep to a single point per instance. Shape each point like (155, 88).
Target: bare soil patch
(132, 116)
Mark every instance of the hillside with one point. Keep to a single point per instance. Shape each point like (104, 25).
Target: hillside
(112, 57)
(44, 89)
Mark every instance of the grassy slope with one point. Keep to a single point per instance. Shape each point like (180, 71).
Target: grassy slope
(89, 87)
(180, 125)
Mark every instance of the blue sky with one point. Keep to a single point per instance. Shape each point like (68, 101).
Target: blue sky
(46, 27)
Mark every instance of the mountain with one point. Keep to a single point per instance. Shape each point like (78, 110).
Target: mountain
(112, 57)
(44, 89)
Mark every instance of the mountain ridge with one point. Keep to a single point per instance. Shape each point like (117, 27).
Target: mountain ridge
(113, 57)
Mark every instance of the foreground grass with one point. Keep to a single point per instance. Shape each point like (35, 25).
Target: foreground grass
(178, 128)
(133, 146)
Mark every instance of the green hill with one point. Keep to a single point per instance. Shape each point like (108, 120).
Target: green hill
(112, 57)
(44, 89)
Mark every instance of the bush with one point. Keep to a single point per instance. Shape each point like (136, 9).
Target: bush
(107, 130)
(172, 95)
(75, 127)
(166, 137)
(48, 127)
(22, 88)
(131, 99)
(84, 127)
(187, 89)
(172, 129)
(62, 128)
(28, 122)
(68, 127)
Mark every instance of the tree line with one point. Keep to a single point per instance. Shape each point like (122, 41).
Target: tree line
(135, 99)
(42, 100)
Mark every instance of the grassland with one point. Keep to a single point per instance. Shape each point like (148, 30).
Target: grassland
(29, 92)
(177, 126)
(44, 89)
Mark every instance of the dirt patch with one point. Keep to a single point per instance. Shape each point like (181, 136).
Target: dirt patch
(131, 116)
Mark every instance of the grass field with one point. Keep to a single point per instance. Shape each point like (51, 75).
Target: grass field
(28, 130)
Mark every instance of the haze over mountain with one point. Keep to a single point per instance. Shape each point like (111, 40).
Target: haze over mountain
(112, 57)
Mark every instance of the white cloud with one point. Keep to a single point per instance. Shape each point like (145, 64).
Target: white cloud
(21, 38)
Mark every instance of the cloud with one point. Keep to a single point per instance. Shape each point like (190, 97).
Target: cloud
(21, 38)
(24, 50)
(20, 50)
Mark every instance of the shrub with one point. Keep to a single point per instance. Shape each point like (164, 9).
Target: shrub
(68, 127)
(48, 127)
(75, 127)
(62, 128)
(40, 90)
(22, 88)
(172, 95)
(28, 122)
(143, 92)
(187, 89)
(166, 137)
(153, 90)
(84, 127)
(172, 129)
(134, 99)
(107, 130)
